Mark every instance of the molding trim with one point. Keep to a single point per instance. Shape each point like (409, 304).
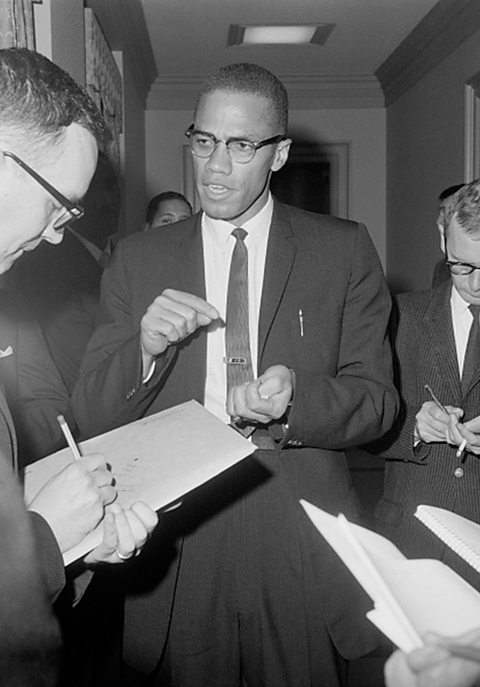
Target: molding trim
(442, 30)
(305, 92)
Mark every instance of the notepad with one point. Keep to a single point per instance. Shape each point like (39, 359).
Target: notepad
(459, 533)
(157, 459)
(410, 596)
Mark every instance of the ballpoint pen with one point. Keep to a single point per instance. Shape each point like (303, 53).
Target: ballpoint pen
(440, 405)
(435, 399)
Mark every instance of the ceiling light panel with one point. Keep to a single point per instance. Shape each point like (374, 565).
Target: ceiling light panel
(315, 34)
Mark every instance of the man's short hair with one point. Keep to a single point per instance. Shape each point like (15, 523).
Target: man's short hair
(445, 199)
(449, 191)
(160, 198)
(464, 207)
(38, 99)
(245, 77)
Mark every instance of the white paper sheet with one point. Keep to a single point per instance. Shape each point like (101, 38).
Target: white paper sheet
(156, 460)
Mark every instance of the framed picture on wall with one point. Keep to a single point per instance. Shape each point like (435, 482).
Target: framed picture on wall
(104, 82)
(315, 178)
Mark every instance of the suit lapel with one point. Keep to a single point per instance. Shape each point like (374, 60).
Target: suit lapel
(191, 265)
(441, 338)
(278, 266)
(8, 440)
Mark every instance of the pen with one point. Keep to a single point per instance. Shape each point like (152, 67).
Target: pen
(68, 436)
(435, 399)
(300, 320)
(461, 448)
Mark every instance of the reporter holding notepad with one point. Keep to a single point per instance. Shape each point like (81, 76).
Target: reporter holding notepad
(431, 451)
(49, 130)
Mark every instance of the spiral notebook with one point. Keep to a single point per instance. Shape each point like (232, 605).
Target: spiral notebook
(459, 533)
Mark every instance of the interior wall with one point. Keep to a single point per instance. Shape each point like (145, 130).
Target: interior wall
(425, 150)
(133, 154)
(61, 37)
(363, 129)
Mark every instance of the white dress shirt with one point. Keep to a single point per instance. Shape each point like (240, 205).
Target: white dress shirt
(218, 244)
(462, 320)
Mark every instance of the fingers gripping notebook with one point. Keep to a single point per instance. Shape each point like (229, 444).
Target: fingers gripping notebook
(410, 597)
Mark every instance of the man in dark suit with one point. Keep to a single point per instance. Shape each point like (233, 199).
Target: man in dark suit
(49, 130)
(430, 334)
(247, 593)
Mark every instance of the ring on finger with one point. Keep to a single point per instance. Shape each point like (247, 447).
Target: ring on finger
(121, 555)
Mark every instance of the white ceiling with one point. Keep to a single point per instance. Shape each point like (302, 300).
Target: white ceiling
(189, 37)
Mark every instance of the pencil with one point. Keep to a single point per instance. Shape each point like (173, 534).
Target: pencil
(68, 436)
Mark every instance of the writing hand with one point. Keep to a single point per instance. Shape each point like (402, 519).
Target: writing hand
(265, 399)
(432, 423)
(172, 317)
(461, 433)
(125, 532)
(73, 501)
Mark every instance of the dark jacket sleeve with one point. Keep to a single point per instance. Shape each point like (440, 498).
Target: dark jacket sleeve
(50, 556)
(111, 370)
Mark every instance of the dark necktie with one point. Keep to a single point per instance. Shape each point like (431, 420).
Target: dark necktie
(237, 340)
(472, 352)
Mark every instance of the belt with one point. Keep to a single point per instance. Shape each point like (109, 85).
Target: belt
(263, 440)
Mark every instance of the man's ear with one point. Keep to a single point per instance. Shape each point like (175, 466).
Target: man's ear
(441, 231)
(281, 154)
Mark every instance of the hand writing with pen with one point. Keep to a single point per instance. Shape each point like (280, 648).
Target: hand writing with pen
(466, 434)
(436, 422)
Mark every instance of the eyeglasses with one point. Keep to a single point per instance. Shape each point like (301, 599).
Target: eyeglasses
(240, 150)
(74, 211)
(459, 268)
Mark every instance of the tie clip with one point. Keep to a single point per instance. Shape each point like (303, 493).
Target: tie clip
(235, 361)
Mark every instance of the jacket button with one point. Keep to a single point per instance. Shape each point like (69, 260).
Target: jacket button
(458, 472)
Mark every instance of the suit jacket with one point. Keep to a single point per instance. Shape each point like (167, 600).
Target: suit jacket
(29, 636)
(430, 473)
(62, 285)
(344, 393)
(32, 383)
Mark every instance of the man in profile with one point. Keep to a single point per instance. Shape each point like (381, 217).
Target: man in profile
(437, 358)
(49, 129)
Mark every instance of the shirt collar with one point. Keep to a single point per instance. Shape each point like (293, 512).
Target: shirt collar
(220, 230)
(459, 304)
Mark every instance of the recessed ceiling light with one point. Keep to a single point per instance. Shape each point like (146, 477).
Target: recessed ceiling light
(243, 34)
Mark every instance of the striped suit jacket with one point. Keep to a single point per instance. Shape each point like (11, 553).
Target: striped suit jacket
(425, 353)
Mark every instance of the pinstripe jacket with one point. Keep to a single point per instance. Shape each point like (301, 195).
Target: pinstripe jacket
(424, 351)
